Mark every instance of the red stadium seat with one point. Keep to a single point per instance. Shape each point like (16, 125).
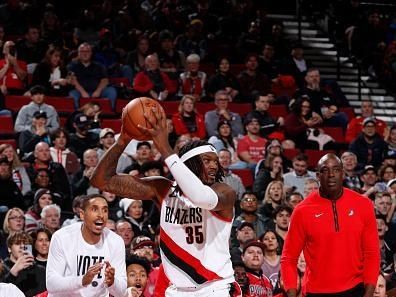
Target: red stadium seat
(204, 107)
(120, 104)
(315, 155)
(15, 103)
(350, 112)
(114, 124)
(241, 108)
(120, 81)
(6, 125)
(170, 107)
(237, 68)
(336, 132)
(291, 153)
(61, 104)
(246, 176)
(105, 104)
(62, 121)
(278, 110)
(9, 141)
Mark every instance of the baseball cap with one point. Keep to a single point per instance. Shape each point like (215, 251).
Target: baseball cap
(254, 242)
(391, 182)
(41, 192)
(244, 224)
(40, 114)
(106, 131)
(141, 143)
(368, 168)
(369, 120)
(37, 89)
(81, 120)
(274, 143)
(142, 241)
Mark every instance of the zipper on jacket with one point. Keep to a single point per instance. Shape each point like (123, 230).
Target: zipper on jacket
(335, 215)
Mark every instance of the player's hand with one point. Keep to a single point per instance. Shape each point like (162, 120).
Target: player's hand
(92, 271)
(124, 137)
(109, 274)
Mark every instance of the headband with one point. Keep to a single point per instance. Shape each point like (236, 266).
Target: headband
(197, 151)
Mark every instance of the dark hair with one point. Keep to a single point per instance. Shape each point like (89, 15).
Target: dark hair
(133, 259)
(57, 133)
(261, 237)
(297, 105)
(301, 157)
(87, 198)
(280, 208)
(35, 234)
(229, 142)
(19, 237)
(51, 50)
(142, 143)
(148, 165)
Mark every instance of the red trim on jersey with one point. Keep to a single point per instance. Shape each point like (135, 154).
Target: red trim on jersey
(188, 258)
(215, 214)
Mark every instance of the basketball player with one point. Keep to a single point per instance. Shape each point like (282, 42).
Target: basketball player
(196, 211)
(87, 259)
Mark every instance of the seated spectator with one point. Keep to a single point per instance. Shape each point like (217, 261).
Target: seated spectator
(310, 185)
(267, 63)
(152, 82)
(137, 270)
(274, 148)
(270, 171)
(369, 178)
(143, 154)
(391, 141)
(42, 198)
(192, 81)
(13, 71)
(244, 233)
(369, 147)
(296, 178)
(294, 199)
(136, 58)
(25, 115)
(386, 249)
(41, 241)
(222, 113)
(295, 64)
(56, 175)
(223, 79)
(230, 178)
(251, 147)
(124, 229)
(380, 288)
(50, 217)
(386, 173)
(82, 139)
(351, 178)
(322, 102)
(242, 280)
(355, 125)
(274, 196)
(77, 207)
(225, 140)
(133, 212)
(52, 74)
(37, 133)
(269, 126)
(253, 258)
(271, 265)
(281, 217)
(22, 270)
(89, 78)
(249, 213)
(192, 41)
(106, 140)
(14, 222)
(187, 120)
(61, 154)
(299, 122)
(80, 181)
(115, 211)
(18, 170)
(252, 80)
(10, 195)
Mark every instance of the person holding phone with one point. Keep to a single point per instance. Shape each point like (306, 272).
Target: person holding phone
(21, 268)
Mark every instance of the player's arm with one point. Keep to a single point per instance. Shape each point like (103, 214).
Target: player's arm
(55, 280)
(106, 179)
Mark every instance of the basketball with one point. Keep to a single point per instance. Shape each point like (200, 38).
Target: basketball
(133, 115)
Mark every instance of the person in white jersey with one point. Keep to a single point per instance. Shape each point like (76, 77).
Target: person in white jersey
(87, 259)
(196, 211)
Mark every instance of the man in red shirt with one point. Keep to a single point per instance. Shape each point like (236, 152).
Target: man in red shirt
(355, 125)
(336, 229)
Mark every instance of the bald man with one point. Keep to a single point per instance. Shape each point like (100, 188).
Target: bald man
(336, 229)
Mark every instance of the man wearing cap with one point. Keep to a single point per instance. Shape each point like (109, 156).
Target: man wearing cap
(355, 125)
(82, 139)
(244, 233)
(38, 133)
(222, 113)
(369, 147)
(143, 154)
(106, 140)
(369, 177)
(253, 258)
(26, 114)
(251, 147)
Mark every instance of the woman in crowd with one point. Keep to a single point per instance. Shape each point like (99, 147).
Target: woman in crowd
(223, 80)
(274, 196)
(271, 170)
(386, 173)
(14, 221)
(187, 120)
(271, 265)
(133, 211)
(136, 58)
(19, 174)
(298, 122)
(41, 242)
(42, 198)
(51, 73)
(225, 140)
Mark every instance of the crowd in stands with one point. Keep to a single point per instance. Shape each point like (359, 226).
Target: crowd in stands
(212, 59)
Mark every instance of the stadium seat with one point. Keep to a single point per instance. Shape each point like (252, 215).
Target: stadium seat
(105, 104)
(278, 110)
(120, 81)
(241, 108)
(314, 156)
(350, 112)
(9, 141)
(291, 153)
(170, 107)
(246, 176)
(120, 104)
(62, 121)
(6, 126)
(336, 132)
(204, 107)
(209, 69)
(114, 124)
(14, 103)
(62, 104)
(237, 68)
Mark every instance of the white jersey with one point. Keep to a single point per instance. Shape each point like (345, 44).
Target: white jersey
(70, 256)
(194, 244)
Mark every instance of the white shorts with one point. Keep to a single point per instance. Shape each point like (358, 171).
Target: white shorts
(215, 289)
